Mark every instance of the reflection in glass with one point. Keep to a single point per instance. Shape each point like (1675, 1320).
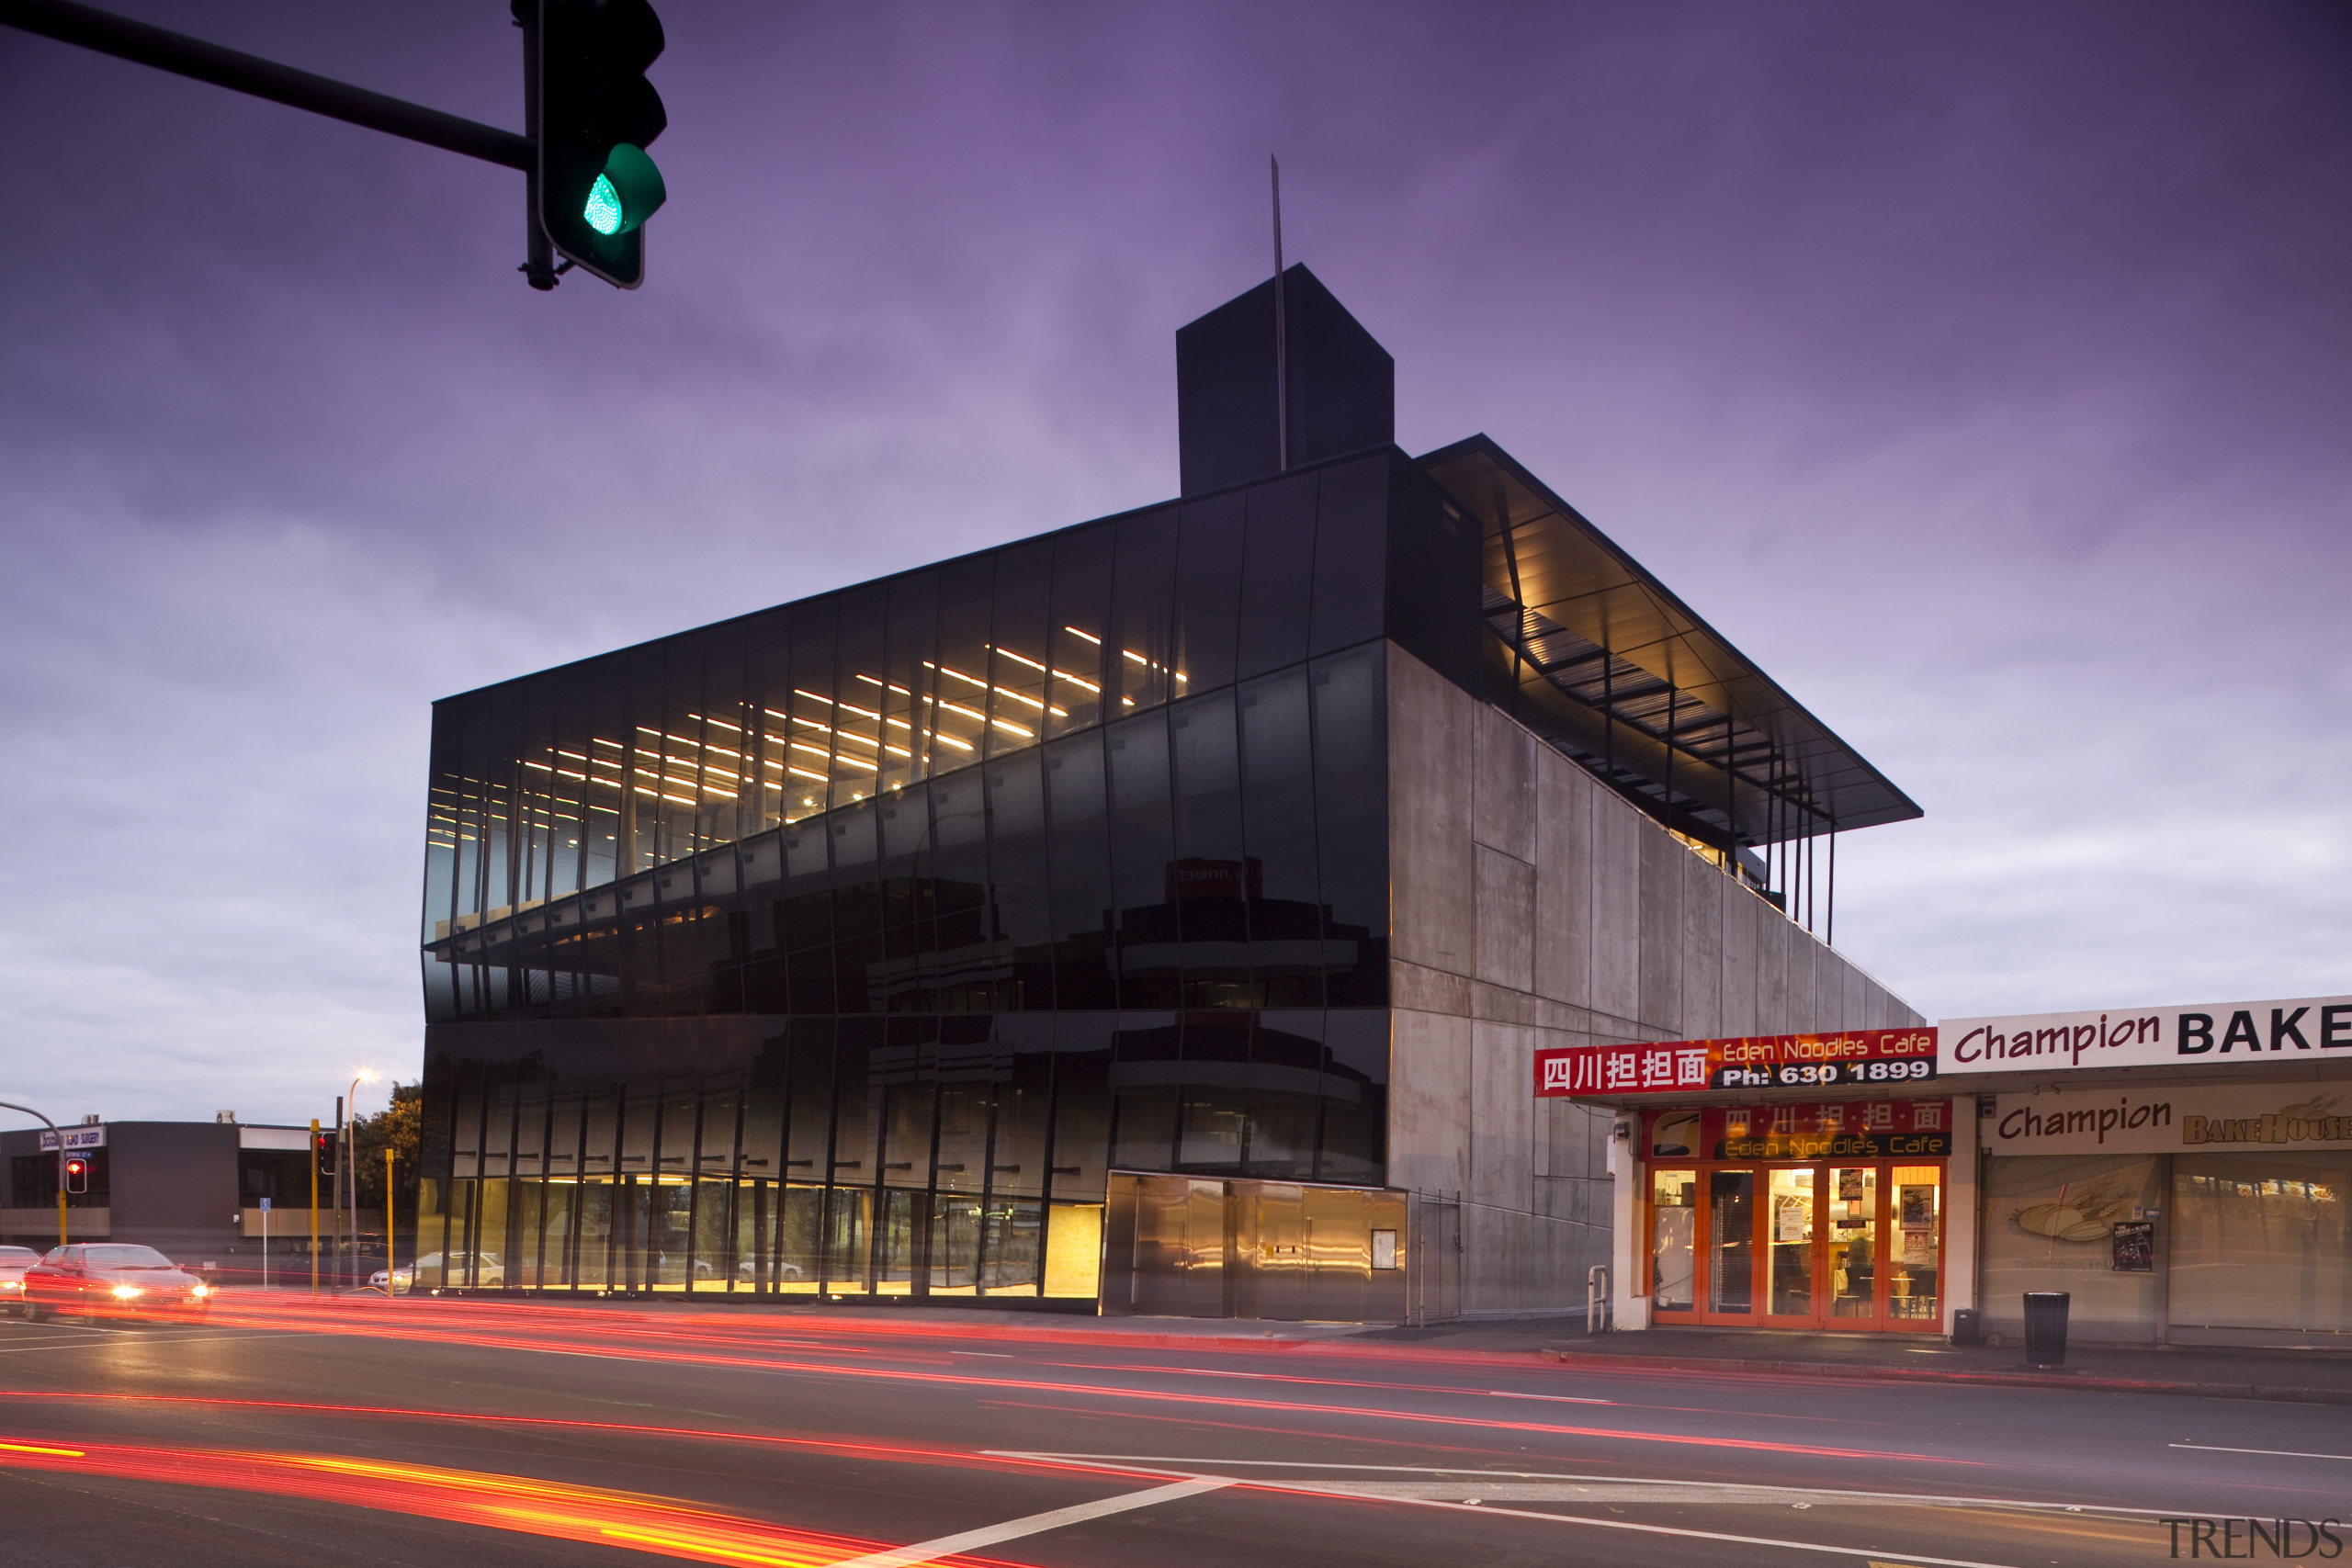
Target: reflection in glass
(1914, 1234)
(1731, 1241)
(1791, 1242)
(1853, 1251)
(1674, 1212)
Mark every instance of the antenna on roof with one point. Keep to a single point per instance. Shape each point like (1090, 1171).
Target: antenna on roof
(1282, 335)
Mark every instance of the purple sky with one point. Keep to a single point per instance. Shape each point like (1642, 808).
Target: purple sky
(1984, 371)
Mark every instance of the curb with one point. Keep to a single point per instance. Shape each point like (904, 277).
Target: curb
(2021, 1379)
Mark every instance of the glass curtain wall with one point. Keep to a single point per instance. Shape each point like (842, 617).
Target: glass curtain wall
(1059, 856)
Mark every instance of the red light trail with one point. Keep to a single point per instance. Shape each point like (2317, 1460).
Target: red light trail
(555, 1509)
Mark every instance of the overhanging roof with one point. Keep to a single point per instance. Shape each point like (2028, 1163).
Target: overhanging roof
(1601, 658)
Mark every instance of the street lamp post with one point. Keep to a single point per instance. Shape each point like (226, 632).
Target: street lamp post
(347, 1159)
(5, 1105)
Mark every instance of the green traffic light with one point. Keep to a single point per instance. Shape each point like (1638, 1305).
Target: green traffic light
(629, 191)
(604, 211)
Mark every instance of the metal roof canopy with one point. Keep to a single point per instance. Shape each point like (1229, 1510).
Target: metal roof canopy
(1604, 661)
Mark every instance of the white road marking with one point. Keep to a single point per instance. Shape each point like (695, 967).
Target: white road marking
(2274, 1453)
(1637, 1488)
(1555, 1398)
(1626, 1525)
(997, 1355)
(1014, 1529)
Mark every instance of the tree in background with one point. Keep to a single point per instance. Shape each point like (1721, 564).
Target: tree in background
(399, 1126)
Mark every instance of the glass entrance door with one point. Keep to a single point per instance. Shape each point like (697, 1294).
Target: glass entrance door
(1787, 1244)
(1853, 1245)
(1731, 1241)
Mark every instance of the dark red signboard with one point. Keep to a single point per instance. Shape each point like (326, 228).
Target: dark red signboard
(1863, 1058)
(1867, 1129)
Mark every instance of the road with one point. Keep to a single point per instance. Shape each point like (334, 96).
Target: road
(357, 1430)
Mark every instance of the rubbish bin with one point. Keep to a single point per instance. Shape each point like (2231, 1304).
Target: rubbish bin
(2046, 1327)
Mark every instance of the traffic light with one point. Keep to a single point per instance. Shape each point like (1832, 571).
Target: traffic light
(77, 1174)
(323, 1155)
(592, 118)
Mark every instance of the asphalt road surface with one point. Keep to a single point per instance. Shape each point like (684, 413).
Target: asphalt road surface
(440, 1433)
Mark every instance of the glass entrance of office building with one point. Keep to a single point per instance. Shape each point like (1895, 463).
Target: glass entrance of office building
(1847, 1245)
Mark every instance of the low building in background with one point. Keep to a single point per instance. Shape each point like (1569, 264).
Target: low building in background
(1158, 914)
(191, 1189)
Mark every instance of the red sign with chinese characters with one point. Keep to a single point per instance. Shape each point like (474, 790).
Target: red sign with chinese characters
(1854, 1130)
(1862, 1058)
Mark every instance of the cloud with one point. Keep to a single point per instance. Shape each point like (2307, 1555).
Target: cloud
(1982, 373)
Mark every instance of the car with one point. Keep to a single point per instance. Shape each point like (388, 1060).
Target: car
(106, 1279)
(14, 1262)
(440, 1269)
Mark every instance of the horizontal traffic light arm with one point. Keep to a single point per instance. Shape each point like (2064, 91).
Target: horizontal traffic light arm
(176, 53)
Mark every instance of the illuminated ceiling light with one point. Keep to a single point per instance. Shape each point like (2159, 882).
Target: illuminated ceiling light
(1021, 658)
(1088, 635)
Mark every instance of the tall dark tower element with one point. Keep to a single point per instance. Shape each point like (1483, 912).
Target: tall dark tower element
(1233, 420)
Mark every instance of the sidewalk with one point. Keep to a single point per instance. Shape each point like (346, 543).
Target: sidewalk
(2319, 1376)
(2303, 1376)
(2323, 1377)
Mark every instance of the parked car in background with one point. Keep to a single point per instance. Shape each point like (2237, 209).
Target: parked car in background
(113, 1280)
(443, 1269)
(14, 1262)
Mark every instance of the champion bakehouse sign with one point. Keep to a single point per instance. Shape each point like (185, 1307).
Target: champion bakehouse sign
(2212, 1034)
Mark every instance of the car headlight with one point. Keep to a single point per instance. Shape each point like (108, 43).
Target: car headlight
(200, 1291)
(11, 1284)
(124, 1293)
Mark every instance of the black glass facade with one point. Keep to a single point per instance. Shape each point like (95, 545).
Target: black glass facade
(849, 945)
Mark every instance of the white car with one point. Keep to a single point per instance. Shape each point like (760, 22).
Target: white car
(14, 1262)
(489, 1273)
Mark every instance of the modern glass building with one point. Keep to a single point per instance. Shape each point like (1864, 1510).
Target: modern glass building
(1045, 923)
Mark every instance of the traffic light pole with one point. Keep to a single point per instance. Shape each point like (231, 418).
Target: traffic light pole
(539, 268)
(314, 1205)
(29, 1111)
(89, 28)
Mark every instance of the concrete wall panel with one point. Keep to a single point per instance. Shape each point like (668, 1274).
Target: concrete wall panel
(1503, 773)
(1563, 881)
(1428, 1102)
(1431, 869)
(1702, 1013)
(1616, 905)
(1506, 914)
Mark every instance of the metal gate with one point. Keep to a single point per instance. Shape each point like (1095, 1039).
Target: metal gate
(1434, 1289)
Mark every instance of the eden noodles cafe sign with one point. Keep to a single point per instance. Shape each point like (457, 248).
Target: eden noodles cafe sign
(2211, 1035)
(1875, 1058)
